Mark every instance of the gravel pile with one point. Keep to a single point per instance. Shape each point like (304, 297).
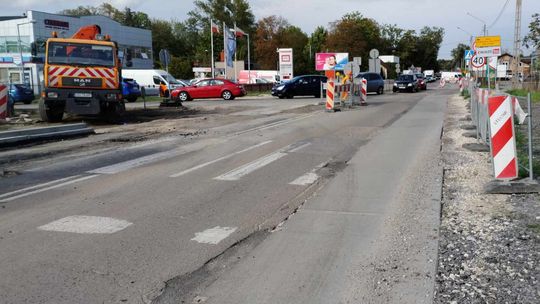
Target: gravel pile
(489, 250)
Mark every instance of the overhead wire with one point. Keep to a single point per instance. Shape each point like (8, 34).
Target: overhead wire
(500, 14)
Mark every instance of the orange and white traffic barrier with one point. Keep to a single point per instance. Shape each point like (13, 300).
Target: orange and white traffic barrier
(330, 96)
(363, 92)
(3, 101)
(442, 83)
(503, 143)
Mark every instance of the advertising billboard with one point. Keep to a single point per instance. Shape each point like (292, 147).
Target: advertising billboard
(285, 64)
(331, 61)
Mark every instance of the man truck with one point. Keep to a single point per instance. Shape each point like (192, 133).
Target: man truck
(82, 76)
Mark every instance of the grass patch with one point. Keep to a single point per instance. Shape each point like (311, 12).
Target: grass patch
(534, 227)
(535, 95)
(466, 94)
(523, 156)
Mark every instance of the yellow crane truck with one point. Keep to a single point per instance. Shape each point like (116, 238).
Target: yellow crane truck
(82, 76)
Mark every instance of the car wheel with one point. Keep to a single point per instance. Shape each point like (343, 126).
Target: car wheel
(27, 101)
(227, 95)
(380, 91)
(289, 96)
(183, 96)
(281, 97)
(131, 99)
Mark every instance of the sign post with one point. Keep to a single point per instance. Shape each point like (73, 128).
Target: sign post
(165, 59)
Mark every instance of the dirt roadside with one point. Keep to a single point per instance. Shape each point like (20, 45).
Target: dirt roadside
(489, 250)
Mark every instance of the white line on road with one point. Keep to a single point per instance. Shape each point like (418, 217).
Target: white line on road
(86, 225)
(236, 174)
(246, 169)
(308, 178)
(275, 124)
(48, 188)
(137, 162)
(219, 159)
(213, 235)
(38, 186)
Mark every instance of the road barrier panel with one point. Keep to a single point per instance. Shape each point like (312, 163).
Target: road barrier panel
(503, 140)
(3, 101)
(363, 93)
(330, 106)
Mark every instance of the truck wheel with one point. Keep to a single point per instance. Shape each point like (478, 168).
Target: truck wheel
(50, 114)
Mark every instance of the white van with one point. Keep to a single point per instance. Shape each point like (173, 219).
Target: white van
(151, 79)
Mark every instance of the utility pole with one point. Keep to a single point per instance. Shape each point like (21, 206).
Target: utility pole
(517, 42)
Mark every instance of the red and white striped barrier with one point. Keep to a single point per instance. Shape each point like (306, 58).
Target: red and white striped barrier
(503, 143)
(330, 96)
(442, 83)
(363, 92)
(3, 101)
(461, 85)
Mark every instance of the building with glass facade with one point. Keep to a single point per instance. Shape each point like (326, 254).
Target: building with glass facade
(18, 32)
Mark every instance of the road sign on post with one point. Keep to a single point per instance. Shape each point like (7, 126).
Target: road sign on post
(165, 57)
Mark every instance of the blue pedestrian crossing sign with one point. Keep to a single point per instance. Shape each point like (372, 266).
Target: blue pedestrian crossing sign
(469, 54)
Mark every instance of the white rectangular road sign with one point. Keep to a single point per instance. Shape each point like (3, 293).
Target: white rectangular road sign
(492, 51)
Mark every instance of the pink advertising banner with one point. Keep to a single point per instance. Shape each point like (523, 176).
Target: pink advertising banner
(331, 61)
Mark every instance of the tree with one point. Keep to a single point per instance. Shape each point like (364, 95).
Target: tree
(429, 43)
(354, 34)
(458, 54)
(180, 68)
(268, 39)
(390, 37)
(533, 37)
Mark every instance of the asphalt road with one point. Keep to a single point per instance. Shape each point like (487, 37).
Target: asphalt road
(113, 225)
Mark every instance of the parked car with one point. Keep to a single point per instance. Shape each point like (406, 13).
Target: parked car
(151, 80)
(209, 88)
(306, 85)
(130, 89)
(375, 83)
(406, 83)
(422, 82)
(21, 93)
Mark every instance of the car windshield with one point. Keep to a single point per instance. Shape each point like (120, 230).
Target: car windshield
(419, 75)
(405, 78)
(80, 54)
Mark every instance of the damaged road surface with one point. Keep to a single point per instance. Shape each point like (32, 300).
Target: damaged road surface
(286, 206)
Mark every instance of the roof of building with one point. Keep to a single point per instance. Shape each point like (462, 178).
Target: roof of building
(5, 18)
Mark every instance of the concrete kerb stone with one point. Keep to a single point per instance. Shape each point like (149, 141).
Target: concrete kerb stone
(476, 147)
(468, 127)
(522, 186)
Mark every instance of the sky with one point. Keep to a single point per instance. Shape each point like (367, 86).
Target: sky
(308, 14)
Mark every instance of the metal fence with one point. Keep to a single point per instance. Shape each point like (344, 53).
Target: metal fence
(479, 100)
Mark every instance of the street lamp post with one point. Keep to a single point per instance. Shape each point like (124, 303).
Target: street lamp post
(20, 46)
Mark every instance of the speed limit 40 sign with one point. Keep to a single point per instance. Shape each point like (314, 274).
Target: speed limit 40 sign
(478, 62)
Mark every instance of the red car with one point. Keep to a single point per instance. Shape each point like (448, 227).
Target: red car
(209, 88)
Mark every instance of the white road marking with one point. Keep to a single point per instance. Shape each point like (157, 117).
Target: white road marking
(219, 159)
(37, 186)
(236, 174)
(275, 124)
(137, 162)
(246, 169)
(213, 235)
(86, 225)
(308, 178)
(299, 147)
(48, 188)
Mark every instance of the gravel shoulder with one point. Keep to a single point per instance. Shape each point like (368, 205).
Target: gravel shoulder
(489, 250)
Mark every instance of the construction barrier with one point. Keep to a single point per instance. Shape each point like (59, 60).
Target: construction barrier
(503, 143)
(442, 83)
(330, 96)
(3, 101)
(363, 92)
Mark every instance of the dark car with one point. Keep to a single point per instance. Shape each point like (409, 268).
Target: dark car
(375, 83)
(306, 85)
(130, 89)
(407, 82)
(209, 88)
(422, 82)
(21, 93)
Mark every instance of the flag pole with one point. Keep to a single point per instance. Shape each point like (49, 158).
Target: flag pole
(225, 37)
(212, 47)
(249, 61)
(234, 63)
